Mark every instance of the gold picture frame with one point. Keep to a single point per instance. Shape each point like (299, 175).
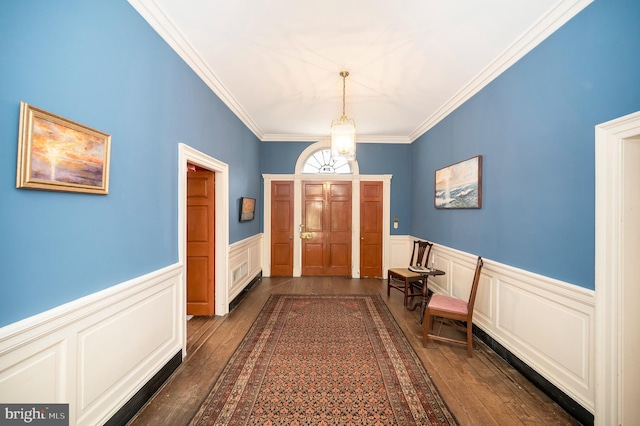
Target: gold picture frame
(57, 154)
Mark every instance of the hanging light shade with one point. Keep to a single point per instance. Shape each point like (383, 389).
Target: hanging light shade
(343, 131)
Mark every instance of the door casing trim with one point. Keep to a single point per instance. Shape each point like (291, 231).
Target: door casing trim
(187, 154)
(610, 138)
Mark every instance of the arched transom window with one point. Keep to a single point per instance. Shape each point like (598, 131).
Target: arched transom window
(321, 162)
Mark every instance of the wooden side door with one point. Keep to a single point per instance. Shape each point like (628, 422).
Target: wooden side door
(340, 227)
(326, 222)
(200, 243)
(281, 228)
(370, 229)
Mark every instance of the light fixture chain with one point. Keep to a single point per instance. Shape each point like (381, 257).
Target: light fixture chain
(344, 90)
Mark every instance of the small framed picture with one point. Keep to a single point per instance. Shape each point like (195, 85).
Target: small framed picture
(57, 154)
(247, 209)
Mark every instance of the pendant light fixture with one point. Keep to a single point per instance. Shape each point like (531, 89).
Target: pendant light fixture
(343, 130)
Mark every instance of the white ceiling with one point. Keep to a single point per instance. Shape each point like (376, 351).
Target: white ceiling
(276, 63)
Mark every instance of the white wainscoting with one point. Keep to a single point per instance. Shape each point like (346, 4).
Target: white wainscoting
(546, 323)
(245, 262)
(399, 251)
(96, 352)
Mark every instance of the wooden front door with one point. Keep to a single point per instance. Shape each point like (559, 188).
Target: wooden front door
(370, 229)
(326, 222)
(200, 243)
(282, 229)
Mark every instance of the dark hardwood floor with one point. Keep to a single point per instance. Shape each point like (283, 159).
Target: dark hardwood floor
(483, 390)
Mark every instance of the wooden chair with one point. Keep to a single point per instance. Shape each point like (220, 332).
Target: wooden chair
(452, 310)
(403, 279)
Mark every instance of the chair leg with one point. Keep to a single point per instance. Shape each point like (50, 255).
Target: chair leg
(406, 292)
(426, 327)
(470, 340)
(388, 284)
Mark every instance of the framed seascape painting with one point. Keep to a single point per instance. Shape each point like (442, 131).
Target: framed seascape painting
(58, 154)
(459, 186)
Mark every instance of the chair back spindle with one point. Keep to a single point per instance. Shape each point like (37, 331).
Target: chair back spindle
(421, 252)
(474, 286)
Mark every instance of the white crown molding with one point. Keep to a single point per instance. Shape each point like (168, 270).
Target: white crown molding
(157, 18)
(361, 138)
(383, 139)
(563, 11)
(277, 137)
(559, 15)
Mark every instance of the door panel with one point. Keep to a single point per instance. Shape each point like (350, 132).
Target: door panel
(314, 256)
(326, 222)
(340, 190)
(340, 213)
(340, 255)
(198, 267)
(371, 229)
(282, 229)
(314, 216)
(200, 243)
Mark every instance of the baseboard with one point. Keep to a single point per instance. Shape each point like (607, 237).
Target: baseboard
(236, 301)
(576, 410)
(134, 405)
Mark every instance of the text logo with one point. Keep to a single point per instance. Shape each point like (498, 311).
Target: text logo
(34, 414)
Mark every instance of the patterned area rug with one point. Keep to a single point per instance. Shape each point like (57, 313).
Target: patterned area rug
(324, 360)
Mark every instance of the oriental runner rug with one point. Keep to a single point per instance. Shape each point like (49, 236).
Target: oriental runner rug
(324, 360)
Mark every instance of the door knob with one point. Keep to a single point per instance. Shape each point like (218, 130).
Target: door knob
(362, 238)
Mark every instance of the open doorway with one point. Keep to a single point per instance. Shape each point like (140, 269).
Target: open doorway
(188, 155)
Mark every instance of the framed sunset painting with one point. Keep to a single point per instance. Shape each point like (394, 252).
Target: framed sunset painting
(459, 186)
(58, 154)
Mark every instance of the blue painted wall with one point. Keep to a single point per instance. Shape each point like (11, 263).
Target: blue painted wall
(393, 159)
(280, 157)
(373, 159)
(100, 64)
(534, 126)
